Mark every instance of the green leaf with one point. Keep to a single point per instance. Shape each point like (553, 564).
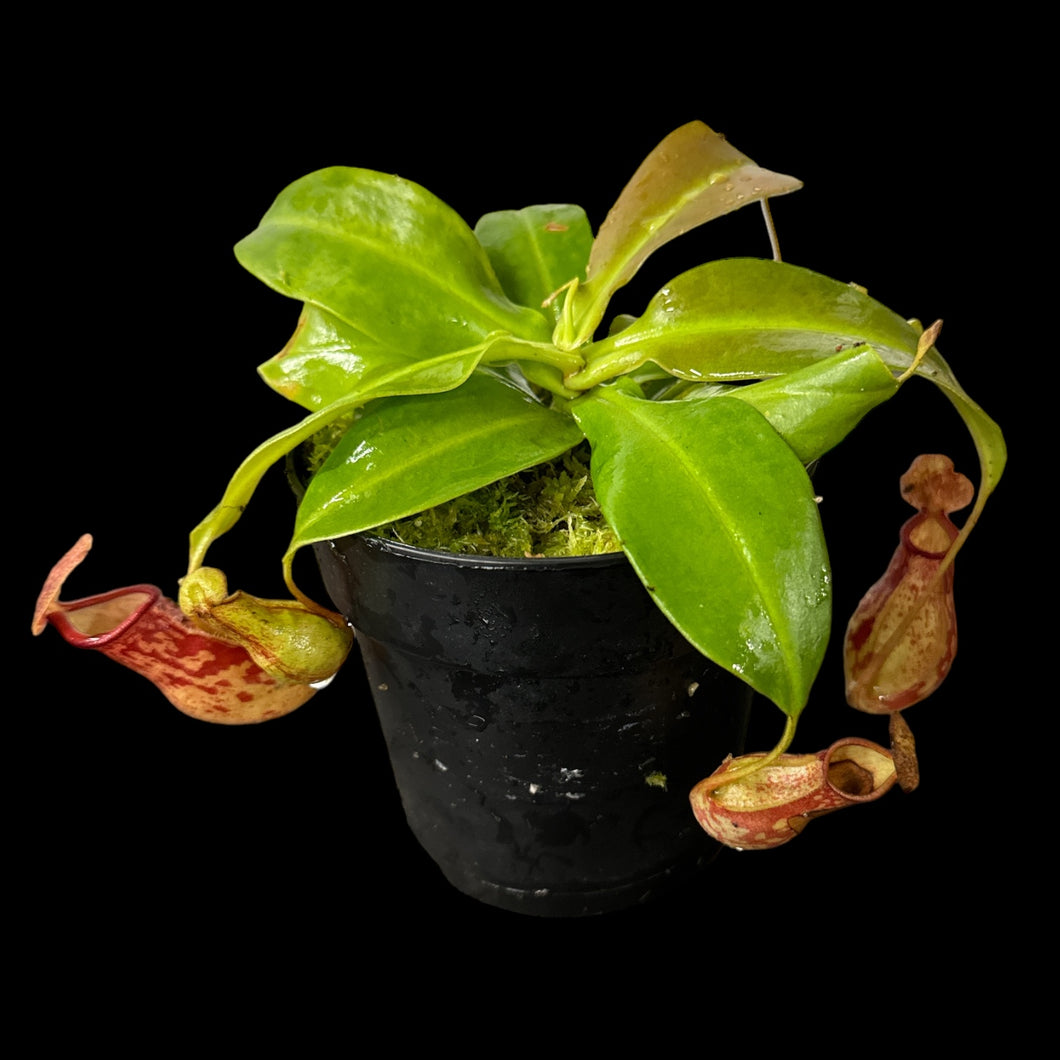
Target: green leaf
(427, 376)
(325, 359)
(693, 176)
(815, 408)
(747, 318)
(718, 518)
(408, 454)
(537, 250)
(387, 258)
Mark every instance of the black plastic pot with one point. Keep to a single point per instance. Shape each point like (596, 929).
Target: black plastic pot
(545, 721)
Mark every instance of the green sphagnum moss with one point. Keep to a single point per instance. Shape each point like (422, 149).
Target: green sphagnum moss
(547, 510)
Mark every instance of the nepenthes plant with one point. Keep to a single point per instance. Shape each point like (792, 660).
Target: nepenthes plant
(438, 358)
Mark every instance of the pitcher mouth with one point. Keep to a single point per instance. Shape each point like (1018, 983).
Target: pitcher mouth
(96, 621)
(859, 770)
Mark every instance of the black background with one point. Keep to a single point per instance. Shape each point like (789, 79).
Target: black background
(140, 336)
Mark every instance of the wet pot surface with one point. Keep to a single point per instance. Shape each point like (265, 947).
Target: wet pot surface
(545, 721)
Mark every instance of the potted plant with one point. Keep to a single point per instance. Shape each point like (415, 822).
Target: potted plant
(421, 335)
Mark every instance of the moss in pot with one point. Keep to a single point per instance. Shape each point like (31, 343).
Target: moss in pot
(474, 355)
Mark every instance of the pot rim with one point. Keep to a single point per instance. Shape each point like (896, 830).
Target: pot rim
(474, 560)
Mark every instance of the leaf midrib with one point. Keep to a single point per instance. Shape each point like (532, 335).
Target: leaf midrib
(738, 542)
(429, 456)
(385, 250)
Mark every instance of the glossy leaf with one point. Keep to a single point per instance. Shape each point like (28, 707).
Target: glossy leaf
(326, 359)
(813, 408)
(746, 318)
(427, 376)
(408, 454)
(718, 518)
(537, 250)
(693, 176)
(816, 407)
(386, 257)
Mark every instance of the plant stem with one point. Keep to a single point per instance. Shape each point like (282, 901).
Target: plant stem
(719, 780)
